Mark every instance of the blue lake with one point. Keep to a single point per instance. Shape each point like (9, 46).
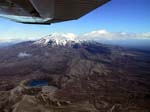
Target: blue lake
(38, 83)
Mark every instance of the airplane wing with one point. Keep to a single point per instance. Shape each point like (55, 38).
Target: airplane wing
(47, 11)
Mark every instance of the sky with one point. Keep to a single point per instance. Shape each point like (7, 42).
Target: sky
(118, 18)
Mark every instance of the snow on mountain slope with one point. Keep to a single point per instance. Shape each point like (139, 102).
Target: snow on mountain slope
(58, 39)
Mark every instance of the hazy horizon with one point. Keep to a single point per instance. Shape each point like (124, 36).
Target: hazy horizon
(130, 40)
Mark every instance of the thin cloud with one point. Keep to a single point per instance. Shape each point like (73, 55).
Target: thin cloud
(106, 35)
(23, 54)
(64, 36)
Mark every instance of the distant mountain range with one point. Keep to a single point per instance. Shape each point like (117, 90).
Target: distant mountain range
(4, 44)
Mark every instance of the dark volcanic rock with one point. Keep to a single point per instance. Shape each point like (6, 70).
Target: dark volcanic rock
(82, 77)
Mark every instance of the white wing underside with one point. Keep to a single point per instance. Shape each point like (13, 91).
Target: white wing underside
(47, 11)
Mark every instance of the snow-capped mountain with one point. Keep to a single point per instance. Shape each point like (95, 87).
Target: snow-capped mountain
(56, 41)
(90, 46)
